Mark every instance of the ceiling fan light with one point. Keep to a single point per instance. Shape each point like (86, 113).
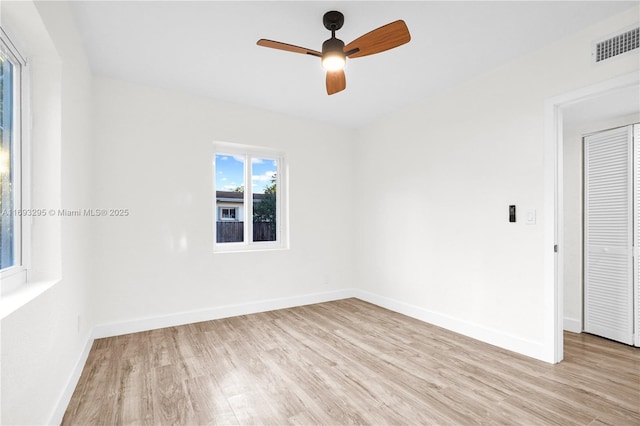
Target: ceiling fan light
(333, 58)
(333, 62)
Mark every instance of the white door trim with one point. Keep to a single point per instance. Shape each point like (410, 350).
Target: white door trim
(553, 206)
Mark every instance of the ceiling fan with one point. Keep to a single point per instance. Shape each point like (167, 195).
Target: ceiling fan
(334, 52)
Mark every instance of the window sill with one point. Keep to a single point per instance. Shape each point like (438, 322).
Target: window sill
(16, 299)
(246, 248)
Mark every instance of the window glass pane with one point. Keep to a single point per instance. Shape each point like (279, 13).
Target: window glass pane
(249, 194)
(264, 188)
(7, 196)
(229, 198)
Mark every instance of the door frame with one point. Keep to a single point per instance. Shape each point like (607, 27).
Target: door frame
(553, 230)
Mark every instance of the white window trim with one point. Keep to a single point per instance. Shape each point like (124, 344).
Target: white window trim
(282, 223)
(15, 276)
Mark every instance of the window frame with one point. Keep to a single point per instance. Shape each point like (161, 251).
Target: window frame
(282, 225)
(228, 218)
(16, 275)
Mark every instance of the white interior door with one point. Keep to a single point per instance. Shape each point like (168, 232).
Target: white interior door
(608, 234)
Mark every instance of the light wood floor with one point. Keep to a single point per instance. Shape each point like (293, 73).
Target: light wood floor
(347, 362)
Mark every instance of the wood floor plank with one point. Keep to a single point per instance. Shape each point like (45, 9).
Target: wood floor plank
(347, 362)
(209, 404)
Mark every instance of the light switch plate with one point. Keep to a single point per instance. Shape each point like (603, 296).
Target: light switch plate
(531, 217)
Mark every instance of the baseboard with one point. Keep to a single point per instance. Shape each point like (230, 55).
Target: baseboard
(63, 401)
(494, 337)
(227, 311)
(572, 325)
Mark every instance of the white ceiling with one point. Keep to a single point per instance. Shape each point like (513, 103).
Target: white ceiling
(209, 48)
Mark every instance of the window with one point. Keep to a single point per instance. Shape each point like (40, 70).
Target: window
(228, 213)
(250, 198)
(12, 271)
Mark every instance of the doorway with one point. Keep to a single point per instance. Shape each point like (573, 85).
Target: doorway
(593, 104)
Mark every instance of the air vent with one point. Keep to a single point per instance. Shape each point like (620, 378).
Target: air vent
(616, 45)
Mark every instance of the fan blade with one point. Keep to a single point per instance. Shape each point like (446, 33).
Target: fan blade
(384, 38)
(288, 47)
(336, 82)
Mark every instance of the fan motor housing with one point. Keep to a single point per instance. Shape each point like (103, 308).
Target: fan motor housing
(333, 45)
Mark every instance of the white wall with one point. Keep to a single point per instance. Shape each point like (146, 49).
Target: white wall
(41, 341)
(456, 162)
(573, 212)
(154, 156)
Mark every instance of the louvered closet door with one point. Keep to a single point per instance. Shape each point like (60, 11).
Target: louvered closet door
(608, 297)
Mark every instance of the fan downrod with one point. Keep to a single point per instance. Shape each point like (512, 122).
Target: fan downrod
(333, 20)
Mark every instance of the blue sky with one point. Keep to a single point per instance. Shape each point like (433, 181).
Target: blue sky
(230, 174)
